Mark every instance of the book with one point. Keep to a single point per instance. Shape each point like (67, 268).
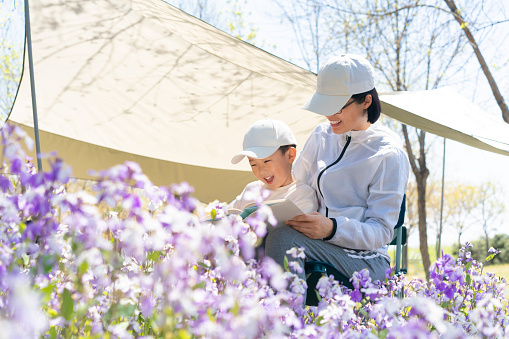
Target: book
(283, 209)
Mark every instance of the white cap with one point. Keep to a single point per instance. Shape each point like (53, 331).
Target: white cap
(263, 138)
(338, 79)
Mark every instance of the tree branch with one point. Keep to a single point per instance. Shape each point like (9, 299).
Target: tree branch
(484, 66)
(411, 156)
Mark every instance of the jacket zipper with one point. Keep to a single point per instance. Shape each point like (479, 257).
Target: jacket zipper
(348, 139)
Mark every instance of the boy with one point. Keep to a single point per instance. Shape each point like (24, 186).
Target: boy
(270, 147)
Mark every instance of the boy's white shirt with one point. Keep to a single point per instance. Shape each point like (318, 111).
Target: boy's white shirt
(299, 193)
(364, 190)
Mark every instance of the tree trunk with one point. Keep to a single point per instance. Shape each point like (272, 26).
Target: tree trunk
(421, 208)
(421, 173)
(487, 241)
(494, 88)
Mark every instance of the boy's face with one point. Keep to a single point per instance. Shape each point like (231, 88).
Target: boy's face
(275, 171)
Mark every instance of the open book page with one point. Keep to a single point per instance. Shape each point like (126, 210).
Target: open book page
(282, 209)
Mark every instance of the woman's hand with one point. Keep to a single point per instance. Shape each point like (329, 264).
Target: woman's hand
(313, 225)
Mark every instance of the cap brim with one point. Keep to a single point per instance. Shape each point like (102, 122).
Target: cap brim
(254, 152)
(326, 104)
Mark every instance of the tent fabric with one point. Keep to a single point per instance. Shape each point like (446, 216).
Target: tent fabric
(141, 80)
(446, 113)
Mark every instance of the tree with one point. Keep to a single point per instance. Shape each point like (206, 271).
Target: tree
(477, 51)
(307, 18)
(491, 208)
(231, 21)
(411, 47)
(461, 201)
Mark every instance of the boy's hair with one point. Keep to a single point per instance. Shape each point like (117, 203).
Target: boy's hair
(285, 148)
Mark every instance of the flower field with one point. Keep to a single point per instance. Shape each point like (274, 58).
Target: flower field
(130, 260)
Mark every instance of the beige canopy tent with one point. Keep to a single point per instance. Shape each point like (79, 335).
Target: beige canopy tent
(447, 114)
(140, 80)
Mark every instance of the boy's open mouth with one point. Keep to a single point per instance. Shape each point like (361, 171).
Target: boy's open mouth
(269, 180)
(335, 123)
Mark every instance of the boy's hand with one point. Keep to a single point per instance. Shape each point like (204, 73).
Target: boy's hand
(313, 225)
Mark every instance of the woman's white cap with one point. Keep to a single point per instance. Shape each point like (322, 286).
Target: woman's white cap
(338, 79)
(263, 138)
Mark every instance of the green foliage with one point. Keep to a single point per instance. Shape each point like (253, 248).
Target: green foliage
(499, 241)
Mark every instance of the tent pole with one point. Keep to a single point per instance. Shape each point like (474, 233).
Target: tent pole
(441, 206)
(32, 86)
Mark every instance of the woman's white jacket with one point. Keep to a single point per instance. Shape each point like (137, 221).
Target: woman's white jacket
(363, 191)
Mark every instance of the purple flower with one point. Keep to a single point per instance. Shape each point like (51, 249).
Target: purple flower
(60, 172)
(147, 306)
(5, 184)
(297, 253)
(493, 250)
(295, 267)
(361, 279)
(356, 295)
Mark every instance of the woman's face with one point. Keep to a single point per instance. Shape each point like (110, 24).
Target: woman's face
(351, 118)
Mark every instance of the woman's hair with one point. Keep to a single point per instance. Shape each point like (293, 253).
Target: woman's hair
(374, 109)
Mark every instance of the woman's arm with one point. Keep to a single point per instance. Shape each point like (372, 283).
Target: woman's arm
(386, 191)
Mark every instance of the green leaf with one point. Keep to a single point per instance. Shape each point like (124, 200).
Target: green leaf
(213, 214)
(53, 332)
(154, 256)
(26, 259)
(46, 292)
(67, 307)
(235, 309)
(382, 334)
(48, 261)
(318, 296)
(204, 266)
(183, 334)
(319, 321)
(22, 227)
(199, 285)
(83, 267)
(363, 312)
(126, 310)
(469, 280)
(286, 264)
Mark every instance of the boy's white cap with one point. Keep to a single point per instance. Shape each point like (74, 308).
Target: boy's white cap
(263, 138)
(338, 79)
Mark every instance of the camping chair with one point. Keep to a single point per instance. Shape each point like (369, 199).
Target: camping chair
(316, 269)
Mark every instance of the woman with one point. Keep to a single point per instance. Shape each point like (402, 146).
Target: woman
(358, 169)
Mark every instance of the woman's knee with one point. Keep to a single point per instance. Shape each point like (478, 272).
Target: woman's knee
(280, 239)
